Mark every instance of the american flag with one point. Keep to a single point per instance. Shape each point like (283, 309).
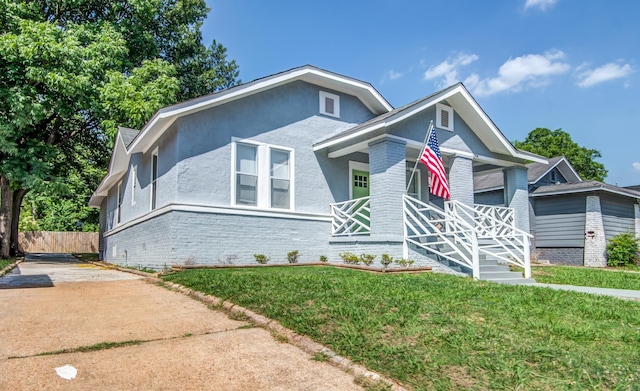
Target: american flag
(433, 160)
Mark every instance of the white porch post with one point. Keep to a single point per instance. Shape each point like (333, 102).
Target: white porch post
(636, 208)
(387, 173)
(516, 195)
(595, 242)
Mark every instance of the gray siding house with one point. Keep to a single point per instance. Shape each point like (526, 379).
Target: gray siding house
(304, 160)
(571, 219)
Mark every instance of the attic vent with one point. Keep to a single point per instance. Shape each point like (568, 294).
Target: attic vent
(444, 117)
(329, 104)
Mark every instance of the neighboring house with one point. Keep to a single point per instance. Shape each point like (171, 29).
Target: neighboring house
(304, 160)
(571, 219)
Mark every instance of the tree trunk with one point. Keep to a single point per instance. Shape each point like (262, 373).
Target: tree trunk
(6, 213)
(18, 196)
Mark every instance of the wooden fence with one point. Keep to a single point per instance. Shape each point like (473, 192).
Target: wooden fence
(58, 242)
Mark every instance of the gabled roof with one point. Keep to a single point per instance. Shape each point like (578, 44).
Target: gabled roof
(464, 105)
(535, 171)
(130, 141)
(583, 187)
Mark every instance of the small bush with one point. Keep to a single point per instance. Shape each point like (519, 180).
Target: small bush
(323, 258)
(261, 258)
(367, 259)
(350, 258)
(622, 250)
(292, 256)
(386, 260)
(404, 262)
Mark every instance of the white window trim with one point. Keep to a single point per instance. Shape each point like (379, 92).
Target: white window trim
(439, 109)
(263, 192)
(336, 104)
(153, 184)
(359, 166)
(119, 203)
(134, 174)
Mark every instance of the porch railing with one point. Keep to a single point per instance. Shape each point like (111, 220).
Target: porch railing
(496, 232)
(351, 217)
(437, 232)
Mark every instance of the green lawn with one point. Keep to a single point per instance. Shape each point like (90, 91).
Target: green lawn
(433, 331)
(623, 278)
(6, 262)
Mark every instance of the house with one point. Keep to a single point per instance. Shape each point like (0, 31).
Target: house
(313, 161)
(571, 219)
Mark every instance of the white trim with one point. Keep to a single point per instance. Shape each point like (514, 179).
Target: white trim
(417, 176)
(439, 109)
(359, 166)
(556, 165)
(235, 210)
(585, 190)
(134, 174)
(336, 104)
(119, 199)
(497, 162)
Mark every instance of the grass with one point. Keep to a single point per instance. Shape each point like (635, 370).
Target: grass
(85, 257)
(6, 262)
(616, 278)
(84, 349)
(432, 331)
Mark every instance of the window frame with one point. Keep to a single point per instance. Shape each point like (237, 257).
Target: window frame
(119, 199)
(263, 169)
(134, 174)
(336, 104)
(439, 109)
(153, 184)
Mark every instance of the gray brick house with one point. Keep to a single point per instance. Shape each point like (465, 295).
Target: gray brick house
(571, 219)
(305, 160)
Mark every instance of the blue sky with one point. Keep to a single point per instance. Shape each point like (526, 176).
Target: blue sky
(529, 63)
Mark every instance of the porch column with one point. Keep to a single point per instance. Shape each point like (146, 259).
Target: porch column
(636, 208)
(595, 242)
(516, 195)
(387, 172)
(461, 179)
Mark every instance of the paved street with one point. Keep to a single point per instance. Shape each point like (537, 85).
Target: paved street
(53, 303)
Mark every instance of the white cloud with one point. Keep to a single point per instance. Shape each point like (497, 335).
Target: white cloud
(528, 71)
(542, 4)
(636, 166)
(393, 75)
(604, 73)
(448, 69)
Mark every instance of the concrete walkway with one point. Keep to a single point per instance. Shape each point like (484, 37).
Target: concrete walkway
(621, 293)
(165, 340)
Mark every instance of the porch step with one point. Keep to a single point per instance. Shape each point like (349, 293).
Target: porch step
(514, 281)
(501, 275)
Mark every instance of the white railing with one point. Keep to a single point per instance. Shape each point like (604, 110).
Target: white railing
(437, 232)
(496, 232)
(351, 217)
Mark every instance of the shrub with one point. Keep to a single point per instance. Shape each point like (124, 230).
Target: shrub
(404, 262)
(350, 258)
(367, 259)
(323, 258)
(622, 250)
(292, 256)
(386, 260)
(261, 258)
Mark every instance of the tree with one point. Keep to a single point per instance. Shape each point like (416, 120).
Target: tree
(552, 143)
(73, 70)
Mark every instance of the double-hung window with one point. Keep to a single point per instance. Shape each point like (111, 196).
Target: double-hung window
(263, 176)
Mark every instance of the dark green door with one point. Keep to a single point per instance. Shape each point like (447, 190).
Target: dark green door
(359, 189)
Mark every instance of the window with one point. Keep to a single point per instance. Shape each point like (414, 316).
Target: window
(263, 176)
(329, 104)
(444, 117)
(119, 204)
(154, 179)
(413, 189)
(246, 174)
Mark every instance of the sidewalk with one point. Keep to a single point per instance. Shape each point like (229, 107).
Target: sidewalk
(162, 339)
(621, 293)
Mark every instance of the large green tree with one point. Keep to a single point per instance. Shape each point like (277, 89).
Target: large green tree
(552, 143)
(71, 71)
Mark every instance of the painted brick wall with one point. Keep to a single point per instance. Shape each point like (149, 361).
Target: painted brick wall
(461, 179)
(561, 255)
(517, 195)
(595, 242)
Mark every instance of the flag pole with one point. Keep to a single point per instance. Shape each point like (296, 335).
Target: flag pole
(424, 145)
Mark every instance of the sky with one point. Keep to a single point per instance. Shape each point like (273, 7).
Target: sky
(569, 64)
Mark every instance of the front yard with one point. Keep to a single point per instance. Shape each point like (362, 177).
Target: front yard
(433, 331)
(616, 278)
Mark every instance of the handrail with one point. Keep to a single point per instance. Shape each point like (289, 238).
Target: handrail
(351, 217)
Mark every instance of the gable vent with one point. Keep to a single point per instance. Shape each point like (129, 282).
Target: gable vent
(444, 117)
(329, 104)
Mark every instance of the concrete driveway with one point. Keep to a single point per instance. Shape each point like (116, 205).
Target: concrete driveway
(139, 337)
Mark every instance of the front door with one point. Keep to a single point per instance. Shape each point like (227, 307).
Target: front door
(359, 189)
